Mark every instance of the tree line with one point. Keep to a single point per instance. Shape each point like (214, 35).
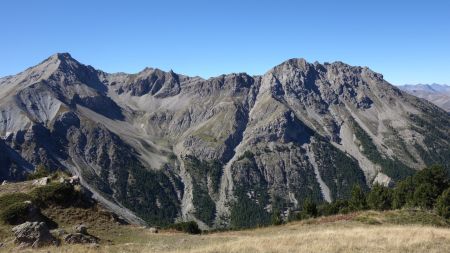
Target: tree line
(428, 189)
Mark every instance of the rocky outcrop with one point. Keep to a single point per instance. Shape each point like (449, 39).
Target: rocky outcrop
(81, 236)
(158, 146)
(78, 238)
(34, 234)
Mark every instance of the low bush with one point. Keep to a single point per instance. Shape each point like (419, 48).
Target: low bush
(336, 207)
(189, 227)
(14, 208)
(13, 198)
(16, 213)
(54, 193)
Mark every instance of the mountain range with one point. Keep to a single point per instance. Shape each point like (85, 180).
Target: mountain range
(158, 147)
(439, 94)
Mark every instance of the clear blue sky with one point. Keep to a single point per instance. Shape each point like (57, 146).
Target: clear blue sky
(406, 41)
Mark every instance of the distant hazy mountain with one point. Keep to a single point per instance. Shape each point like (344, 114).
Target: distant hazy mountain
(225, 151)
(438, 94)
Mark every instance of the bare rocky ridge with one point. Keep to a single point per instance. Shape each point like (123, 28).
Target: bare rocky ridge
(158, 146)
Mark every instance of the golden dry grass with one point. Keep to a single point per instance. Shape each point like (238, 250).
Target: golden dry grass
(341, 236)
(15, 187)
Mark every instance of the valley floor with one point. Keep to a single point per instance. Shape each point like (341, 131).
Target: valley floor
(361, 232)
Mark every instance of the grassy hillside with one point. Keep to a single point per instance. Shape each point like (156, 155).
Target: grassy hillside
(390, 231)
(342, 226)
(60, 206)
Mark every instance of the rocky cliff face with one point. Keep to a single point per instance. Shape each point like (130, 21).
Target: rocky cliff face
(158, 146)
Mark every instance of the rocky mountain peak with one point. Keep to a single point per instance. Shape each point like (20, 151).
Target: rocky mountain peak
(60, 61)
(61, 57)
(172, 147)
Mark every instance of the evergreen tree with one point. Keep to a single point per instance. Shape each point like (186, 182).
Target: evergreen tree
(379, 198)
(425, 195)
(309, 210)
(443, 204)
(358, 199)
(276, 217)
(434, 175)
(403, 193)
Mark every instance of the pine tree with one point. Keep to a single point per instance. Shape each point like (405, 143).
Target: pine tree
(310, 208)
(276, 217)
(358, 199)
(403, 194)
(443, 204)
(425, 195)
(379, 198)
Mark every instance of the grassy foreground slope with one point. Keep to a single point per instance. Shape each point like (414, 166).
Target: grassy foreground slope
(390, 231)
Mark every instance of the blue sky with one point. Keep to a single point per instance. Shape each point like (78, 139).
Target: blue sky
(406, 41)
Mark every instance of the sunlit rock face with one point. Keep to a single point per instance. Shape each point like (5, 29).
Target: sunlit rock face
(158, 146)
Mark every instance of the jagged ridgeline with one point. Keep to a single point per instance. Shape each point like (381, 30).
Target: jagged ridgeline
(160, 147)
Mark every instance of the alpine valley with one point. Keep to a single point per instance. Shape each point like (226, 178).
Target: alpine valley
(158, 147)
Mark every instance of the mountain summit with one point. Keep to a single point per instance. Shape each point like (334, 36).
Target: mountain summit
(158, 146)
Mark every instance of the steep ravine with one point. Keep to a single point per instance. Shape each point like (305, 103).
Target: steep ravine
(226, 182)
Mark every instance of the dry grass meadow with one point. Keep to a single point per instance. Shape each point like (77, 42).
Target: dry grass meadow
(366, 232)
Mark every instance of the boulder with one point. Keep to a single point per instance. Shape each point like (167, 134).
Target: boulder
(42, 181)
(153, 230)
(82, 229)
(74, 180)
(59, 232)
(5, 182)
(34, 234)
(78, 238)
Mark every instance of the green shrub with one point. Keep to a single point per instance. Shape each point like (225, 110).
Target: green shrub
(414, 216)
(13, 208)
(443, 204)
(15, 213)
(13, 198)
(190, 227)
(335, 207)
(54, 193)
